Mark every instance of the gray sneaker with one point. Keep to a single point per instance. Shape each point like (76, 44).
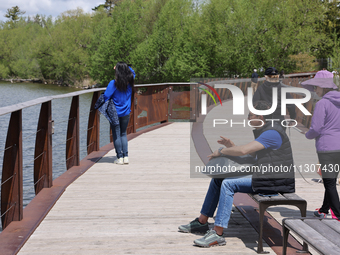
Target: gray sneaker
(210, 239)
(194, 227)
(319, 214)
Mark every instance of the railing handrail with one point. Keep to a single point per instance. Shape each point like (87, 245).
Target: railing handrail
(40, 100)
(12, 108)
(162, 84)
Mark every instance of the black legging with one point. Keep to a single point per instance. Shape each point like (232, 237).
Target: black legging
(329, 177)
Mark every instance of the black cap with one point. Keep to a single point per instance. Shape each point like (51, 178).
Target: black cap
(271, 71)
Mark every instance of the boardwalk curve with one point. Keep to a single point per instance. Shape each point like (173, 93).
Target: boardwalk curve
(136, 208)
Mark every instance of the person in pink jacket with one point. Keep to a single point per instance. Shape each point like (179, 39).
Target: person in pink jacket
(325, 129)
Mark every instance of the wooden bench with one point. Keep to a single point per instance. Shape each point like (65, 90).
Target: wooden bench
(321, 234)
(281, 199)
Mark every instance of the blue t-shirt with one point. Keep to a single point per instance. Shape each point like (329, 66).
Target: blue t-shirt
(270, 139)
(121, 99)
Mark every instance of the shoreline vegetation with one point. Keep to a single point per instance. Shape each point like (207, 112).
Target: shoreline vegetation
(85, 84)
(169, 40)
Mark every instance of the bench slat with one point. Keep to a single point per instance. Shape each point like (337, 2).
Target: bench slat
(324, 230)
(279, 197)
(259, 198)
(312, 237)
(293, 196)
(326, 248)
(335, 225)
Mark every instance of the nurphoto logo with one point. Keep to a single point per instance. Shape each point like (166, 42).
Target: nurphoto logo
(204, 98)
(238, 99)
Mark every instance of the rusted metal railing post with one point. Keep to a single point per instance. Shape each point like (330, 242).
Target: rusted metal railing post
(170, 101)
(166, 110)
(72, 140)
(134, 109)
(12, 184)
(43, 149)
(93, 128)
(194, 110)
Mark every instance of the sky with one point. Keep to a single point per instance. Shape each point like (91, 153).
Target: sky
(47, 7)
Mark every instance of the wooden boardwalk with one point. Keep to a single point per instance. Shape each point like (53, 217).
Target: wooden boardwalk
(136, 208)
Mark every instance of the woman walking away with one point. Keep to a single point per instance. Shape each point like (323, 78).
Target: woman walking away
(325, 129)
(120, 90)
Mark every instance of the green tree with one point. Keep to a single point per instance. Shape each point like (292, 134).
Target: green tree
(64, 54)
(4, 71)
(23, 62)
(14, 13)
(152, 55)
(47, 49)
(119, 41)
(100, 25)
(304, 62)
(336, 53)
(172, 52)
(167, 40)
(108, 5)
(259, 33)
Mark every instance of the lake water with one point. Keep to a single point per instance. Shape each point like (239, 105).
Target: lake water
(20, 92)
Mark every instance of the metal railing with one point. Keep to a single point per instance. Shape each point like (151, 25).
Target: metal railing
(154, 100)
(151, 104)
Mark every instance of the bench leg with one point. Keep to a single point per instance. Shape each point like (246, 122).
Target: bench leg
(262, 209)
(303, 211)
(285, 239)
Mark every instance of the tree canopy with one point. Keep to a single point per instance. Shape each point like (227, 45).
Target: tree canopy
(169, 40)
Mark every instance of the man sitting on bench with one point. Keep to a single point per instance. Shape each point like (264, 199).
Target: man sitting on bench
(272, 149)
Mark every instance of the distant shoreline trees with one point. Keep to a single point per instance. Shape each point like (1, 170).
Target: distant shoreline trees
(168, 40)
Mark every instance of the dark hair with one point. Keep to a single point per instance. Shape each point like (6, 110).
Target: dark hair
(124, 77)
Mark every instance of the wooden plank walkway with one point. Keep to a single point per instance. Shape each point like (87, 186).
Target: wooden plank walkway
(136, 208)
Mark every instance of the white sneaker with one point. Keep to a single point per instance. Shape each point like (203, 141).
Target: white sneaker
(126, 160)
(119, 161)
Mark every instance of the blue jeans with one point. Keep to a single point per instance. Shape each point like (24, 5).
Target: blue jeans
(221, 192)
(119, 137)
